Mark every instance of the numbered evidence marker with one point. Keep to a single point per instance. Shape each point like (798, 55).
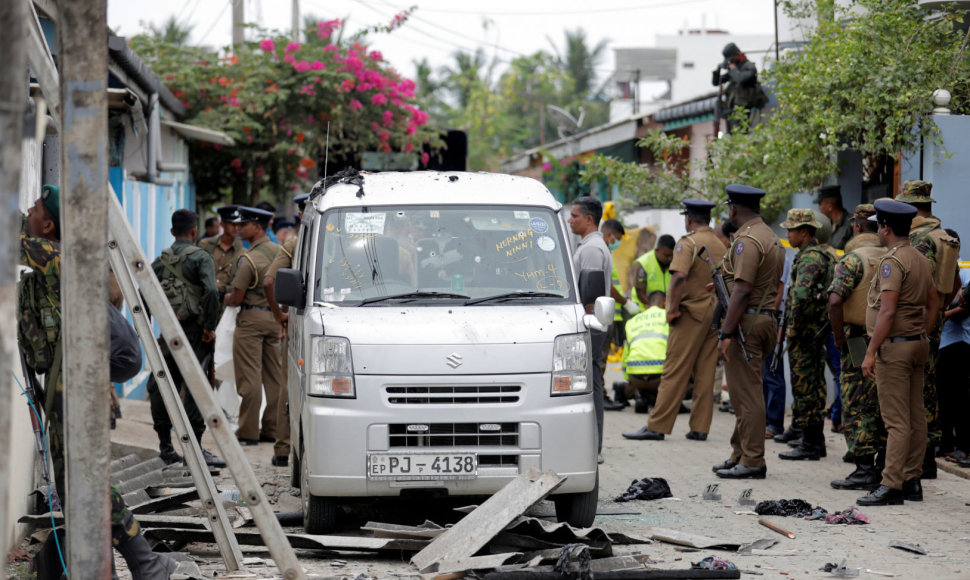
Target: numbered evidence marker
(745, 497)
(712, 493)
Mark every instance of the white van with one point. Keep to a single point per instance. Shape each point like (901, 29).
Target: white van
(438, 342)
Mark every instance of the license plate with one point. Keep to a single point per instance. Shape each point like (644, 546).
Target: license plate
(415, 466)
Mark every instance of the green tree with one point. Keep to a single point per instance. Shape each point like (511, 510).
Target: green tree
(852, 87)
(283, 102)
(173, 32)
(579, 61)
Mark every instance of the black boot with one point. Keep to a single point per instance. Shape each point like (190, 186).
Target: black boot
(929, 464)
(168, 454)
(913, 490)
(641, 405)
(790, 434)
(619, 401)
(883, 495)
(865, 475)
(812, 447)
(143, 563)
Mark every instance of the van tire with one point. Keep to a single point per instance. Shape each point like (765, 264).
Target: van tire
(578, 509)
(319, 513)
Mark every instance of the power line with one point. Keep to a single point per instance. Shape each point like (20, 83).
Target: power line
(216, 21)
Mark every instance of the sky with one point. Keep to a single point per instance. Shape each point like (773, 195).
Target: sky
(505, 29)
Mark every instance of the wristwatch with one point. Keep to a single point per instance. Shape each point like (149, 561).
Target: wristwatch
(721, 335)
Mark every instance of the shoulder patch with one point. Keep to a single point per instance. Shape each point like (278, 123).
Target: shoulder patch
(678, 249)
(738, 248)
(886, 270)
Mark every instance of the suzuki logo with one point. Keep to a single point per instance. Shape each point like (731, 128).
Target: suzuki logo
(453, 360)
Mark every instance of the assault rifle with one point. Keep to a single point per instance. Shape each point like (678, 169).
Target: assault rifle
(35, 398)
(723, 299)
(779, 350)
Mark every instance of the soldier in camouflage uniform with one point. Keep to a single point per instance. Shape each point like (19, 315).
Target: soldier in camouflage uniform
(924, 236)
(804, 322)
(865, 433)
(40, 250)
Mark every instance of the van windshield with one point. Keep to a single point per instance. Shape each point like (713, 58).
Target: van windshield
(442, 255)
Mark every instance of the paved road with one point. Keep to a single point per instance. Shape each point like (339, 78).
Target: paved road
(940, 524)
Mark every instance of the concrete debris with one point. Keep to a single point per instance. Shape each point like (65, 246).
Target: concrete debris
(914, 548)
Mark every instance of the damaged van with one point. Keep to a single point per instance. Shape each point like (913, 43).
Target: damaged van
(438, 342)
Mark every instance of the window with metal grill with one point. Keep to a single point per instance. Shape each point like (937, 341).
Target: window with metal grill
(454, 435)
(453, 395)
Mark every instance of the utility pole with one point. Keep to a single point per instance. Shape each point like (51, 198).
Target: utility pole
(238, 20)
(295, 19)
(13, 99)
(84, 282)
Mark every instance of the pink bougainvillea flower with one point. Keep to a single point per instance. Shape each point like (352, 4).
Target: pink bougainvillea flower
(378, 99)
(388, 118)
(408, 147)
(288, 59)
(292, 47)
(317, 65)
(267, 45)
(425, 158)
(302, 66)
(375, 56)
(355, 105)
(547, 166)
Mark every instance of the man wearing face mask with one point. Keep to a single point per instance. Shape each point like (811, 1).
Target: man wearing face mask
(613, 232)
(653, 270)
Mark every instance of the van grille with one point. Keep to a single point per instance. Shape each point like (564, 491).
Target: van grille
(453, 395)
(454, 435)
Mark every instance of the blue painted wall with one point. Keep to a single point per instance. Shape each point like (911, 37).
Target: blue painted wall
(948, 168)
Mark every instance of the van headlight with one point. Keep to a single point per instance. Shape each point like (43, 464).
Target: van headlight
(331, 368)
(570, 365)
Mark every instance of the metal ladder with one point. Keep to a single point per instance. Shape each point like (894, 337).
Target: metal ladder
(130, 267)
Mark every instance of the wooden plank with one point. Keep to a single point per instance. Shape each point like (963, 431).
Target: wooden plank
(693, 540)
(473, 531)
(43, 521)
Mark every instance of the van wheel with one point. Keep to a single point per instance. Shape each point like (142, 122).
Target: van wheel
(319, 513)
(578, 509)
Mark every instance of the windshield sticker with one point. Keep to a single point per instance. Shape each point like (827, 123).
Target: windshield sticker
(546, 244)
(538, 225)
(521, 215)
(365, 223)
(346, 290)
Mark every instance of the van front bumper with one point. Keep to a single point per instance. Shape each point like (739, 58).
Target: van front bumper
(509, 422)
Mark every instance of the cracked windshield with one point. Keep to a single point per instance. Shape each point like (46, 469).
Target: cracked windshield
(428, 255)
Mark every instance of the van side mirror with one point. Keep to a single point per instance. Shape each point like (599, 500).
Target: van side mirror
(289, 289)
(592, 285)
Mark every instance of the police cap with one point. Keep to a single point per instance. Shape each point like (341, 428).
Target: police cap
(253, 214)
(744, 195)
(300, 201)
(697, 206)
(890, 211)
(229, 213)
(829, 192)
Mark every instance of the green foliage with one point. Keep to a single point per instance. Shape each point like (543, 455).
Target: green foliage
(863, 82)
(279, 99)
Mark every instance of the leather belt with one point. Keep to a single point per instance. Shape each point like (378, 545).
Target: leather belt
(906, 338)
(248, 307)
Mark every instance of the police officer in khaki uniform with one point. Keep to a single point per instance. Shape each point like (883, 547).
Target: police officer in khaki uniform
(752, 269)
(902, 308)
(284, 259)
(225, 248)
(692, 342)
(256, 342)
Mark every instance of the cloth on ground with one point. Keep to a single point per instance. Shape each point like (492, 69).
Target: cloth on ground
(847, 516)
(646, 488)
(713, 563)
(787, 507)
